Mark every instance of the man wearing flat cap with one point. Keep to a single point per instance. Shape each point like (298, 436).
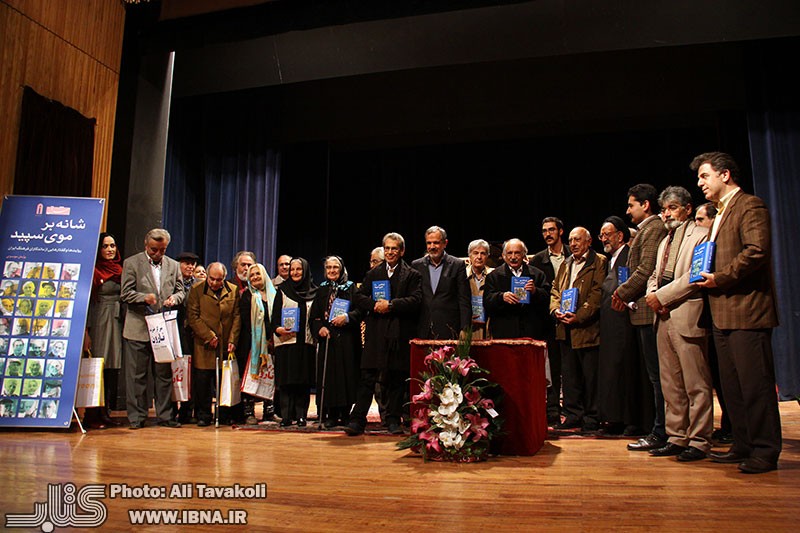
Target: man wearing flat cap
(621, 378)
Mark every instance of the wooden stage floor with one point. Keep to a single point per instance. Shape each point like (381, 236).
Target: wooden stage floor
(325, 481)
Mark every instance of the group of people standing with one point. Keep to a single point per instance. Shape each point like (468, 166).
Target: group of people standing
(630, 357)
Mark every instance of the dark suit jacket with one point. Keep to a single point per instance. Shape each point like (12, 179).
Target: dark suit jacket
(507, 321)
(541, 260)
(387, 335)
(744, 298)
(137, 282)
(444, 314)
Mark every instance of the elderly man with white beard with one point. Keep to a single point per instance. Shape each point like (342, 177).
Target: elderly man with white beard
(682, 344)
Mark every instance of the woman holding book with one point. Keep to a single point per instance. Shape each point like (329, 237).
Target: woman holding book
(294, 345)
(335, 323)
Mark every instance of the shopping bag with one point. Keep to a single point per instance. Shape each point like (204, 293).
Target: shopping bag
(230, 389)
(182, 379)
(261, 384)
(91, 391)
(164, 336)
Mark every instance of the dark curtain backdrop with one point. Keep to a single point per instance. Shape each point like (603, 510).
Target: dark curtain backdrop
(774, 125)
(56, 149)
(221, 181)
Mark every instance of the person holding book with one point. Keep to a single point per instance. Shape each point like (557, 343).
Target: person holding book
(704, 217)
(549, 261)
(390, 295)
(213, 314)
(575, 305)
(682, 343)
(741, 297)
(509, 315)
(446, 308)
(621, 376)
(335, 323)
(477, 270)
(629, 296)
(294, 345)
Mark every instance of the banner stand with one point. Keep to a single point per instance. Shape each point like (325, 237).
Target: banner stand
(78, 420)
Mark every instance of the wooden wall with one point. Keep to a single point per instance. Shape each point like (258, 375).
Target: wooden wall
(68, 51)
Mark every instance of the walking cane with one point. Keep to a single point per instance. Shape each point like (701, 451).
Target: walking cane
(216, 375)
(324, 372)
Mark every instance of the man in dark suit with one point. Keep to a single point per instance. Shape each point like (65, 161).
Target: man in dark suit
(446, 309)
(743, 312)
(643, 209)
(508, 318)
(624, 394)
(548, 261)
(151, 282)
(390, 324)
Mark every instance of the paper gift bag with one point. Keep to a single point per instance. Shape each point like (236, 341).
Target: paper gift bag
(182, 379)
(164, 336)
(90, 383)
(230, 386)
(261, 384)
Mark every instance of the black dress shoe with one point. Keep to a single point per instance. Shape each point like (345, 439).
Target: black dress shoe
(757, 465)
(169, 424)
(722, 437)
(137, 425)
(353, 429)
(568, 424)
(395, 429)
(668, 450)
(726, 457)
(301, 422)
(691, 454)
(203, 423)
(645, 444)
(285, 423)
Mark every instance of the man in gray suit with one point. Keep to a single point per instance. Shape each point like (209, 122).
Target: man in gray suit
(151, 281)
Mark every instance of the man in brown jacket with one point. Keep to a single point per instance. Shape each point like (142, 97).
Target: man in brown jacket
(213, 314)
(743, 312)
(643, 208)
(579, 332)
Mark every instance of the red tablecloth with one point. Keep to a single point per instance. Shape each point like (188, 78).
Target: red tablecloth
(517, 365)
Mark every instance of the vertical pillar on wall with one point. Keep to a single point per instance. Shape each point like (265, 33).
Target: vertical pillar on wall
(149, 149)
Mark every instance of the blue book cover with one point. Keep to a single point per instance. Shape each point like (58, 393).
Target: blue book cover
(477, 309)
(702, 259)
(340, 307)
(381, 290)
(518, 288)
(623, 273)
(569, 300)
(290, 318)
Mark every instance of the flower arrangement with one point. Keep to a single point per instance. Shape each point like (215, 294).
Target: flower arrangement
(452, 417)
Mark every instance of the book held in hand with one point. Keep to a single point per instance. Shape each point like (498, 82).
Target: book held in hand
(702, 259)
(623, 273)
(381, 290)
(518, 288)
(339, 307)
(569, 300)
(477, 309)
(290, 318)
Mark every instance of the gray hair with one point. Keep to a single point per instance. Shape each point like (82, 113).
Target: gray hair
(675, 192)
(378, 250)
(157, 234)
(235, 262)
(478, 243)
(436, 229)
(396, 237)
(510, 241)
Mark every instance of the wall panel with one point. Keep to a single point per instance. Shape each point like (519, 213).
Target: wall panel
(66, 51)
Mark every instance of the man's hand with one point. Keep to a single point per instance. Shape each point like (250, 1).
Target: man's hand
(708, 282)
(214, 342)
(510, 298)
(616, 302)
(231, 347)
(324, 332)
(653, 302)
(150, 299)
(170, 302)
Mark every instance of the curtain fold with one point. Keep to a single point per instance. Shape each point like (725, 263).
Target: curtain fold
(221, 182)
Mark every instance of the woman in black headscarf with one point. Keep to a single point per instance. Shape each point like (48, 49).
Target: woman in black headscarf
(335, 323)
(294, 351)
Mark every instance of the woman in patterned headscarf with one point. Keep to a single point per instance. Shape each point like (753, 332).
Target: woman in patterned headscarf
(294, 351)
(335, 323)
(255, 310)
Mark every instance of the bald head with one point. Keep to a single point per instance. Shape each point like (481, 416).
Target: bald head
(579, 241)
